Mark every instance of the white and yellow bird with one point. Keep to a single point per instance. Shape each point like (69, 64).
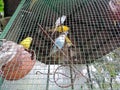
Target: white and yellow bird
(26, 42)
(59, 43)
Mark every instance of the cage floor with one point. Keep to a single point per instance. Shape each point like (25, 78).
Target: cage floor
(95, 33)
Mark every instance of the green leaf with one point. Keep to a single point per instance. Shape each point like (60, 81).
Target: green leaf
(1, 6)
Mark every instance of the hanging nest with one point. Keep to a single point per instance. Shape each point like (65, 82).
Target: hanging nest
(16, 61)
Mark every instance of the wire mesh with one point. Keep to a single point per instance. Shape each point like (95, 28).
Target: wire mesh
(94, 31)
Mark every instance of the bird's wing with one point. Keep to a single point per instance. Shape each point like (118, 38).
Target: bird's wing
(60, 41)
(60, 20)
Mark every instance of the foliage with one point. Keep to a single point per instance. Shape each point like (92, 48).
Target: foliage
(1, 6)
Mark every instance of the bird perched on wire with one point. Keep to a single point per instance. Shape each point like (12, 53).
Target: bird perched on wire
(64, 28)
(59, 43)
(26, 42)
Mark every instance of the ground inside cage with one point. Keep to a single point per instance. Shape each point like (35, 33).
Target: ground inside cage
(65, 77)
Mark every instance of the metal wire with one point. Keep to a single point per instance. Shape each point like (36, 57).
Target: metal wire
(94, 31)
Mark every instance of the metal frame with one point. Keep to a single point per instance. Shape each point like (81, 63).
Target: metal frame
(4, 33)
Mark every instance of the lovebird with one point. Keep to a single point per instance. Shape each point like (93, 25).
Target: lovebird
(26, 42)
(59, 43)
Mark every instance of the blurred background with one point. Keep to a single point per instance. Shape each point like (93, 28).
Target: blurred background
(7, 8)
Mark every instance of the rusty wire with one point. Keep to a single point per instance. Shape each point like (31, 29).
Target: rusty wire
(74, 68)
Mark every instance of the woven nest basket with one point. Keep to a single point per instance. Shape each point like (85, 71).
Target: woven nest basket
(20, 64)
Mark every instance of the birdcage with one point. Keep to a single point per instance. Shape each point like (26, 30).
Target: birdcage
(91, 62)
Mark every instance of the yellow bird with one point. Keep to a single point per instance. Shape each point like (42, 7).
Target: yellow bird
(68, 42)
(62, 28)
(26, 42)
